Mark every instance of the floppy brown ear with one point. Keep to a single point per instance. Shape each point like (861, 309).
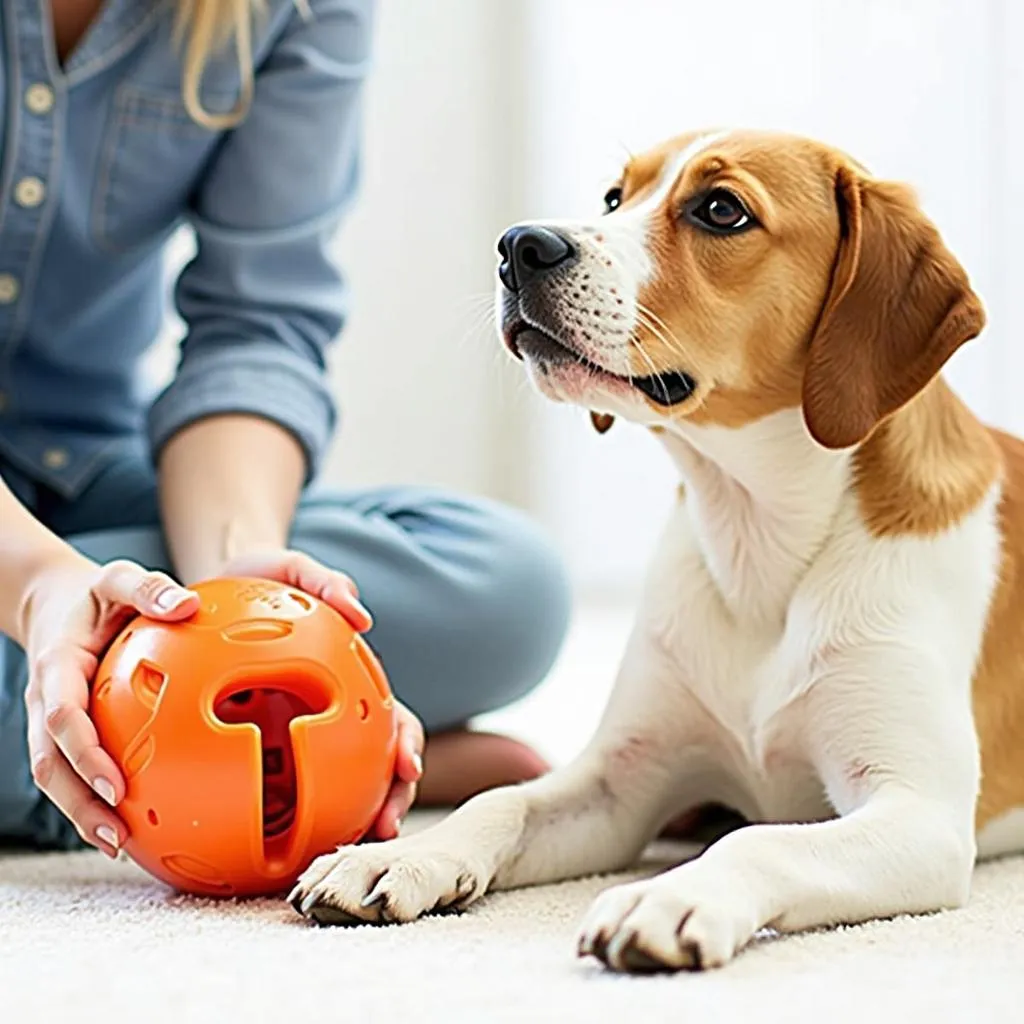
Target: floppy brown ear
(602, 421)
(899, 306)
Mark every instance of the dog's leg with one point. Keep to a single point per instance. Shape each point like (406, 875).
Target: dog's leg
(591, 817)
(894, 743)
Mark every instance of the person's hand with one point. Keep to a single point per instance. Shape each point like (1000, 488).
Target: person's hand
(408, 772)
(74, 610)
(340, 592)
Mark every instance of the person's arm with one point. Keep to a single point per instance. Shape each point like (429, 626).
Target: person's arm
(249, 413)
(250, 473)
(27, 550)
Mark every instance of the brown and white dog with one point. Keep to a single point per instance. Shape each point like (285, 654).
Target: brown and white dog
(832, 636)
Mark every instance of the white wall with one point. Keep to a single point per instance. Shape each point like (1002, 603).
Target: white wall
(427, 394)
(917, 89)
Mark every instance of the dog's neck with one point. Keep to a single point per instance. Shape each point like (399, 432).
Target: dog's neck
(763, 500)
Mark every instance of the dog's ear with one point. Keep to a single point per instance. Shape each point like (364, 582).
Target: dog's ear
(898, 307)
(602, 421)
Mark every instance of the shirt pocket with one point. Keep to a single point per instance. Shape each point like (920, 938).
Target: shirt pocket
(152, 157)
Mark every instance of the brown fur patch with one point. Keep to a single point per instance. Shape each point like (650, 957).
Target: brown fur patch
(844, 299)
(899, 307)
(999, 681)
(926, 467)
(738, 312)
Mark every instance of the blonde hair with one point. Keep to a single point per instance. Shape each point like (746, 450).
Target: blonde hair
(206, 27)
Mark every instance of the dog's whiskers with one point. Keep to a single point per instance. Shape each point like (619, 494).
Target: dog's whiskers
(654, 323)
(654, 370)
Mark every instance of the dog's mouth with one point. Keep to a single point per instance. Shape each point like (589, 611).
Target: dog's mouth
(665, 389)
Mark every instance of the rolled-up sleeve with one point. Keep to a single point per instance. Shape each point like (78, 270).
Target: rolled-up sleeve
(263, 298)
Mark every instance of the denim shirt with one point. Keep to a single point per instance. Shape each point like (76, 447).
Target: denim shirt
(101, 163)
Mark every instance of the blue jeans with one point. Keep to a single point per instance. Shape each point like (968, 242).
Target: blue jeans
(471, 605)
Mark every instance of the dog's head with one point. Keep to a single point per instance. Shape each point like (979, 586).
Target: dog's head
(733, 275)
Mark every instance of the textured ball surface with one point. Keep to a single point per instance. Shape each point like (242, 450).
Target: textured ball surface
(254, 736)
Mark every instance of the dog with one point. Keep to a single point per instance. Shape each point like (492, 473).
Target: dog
(831, 637)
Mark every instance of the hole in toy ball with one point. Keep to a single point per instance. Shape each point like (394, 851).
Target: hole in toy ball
(257, 630)
(147, 682)
(138, 755)
(363, 710)
(271, 709)
(152, 817)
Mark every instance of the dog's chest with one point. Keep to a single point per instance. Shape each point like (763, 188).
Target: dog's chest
(755, 726)
(736, 661)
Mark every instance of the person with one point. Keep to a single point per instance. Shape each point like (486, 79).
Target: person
(123, 120)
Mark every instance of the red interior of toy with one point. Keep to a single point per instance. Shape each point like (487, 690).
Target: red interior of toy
(271, 709)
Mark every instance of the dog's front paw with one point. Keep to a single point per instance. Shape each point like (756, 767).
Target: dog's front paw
(385, 883)
(672, 922)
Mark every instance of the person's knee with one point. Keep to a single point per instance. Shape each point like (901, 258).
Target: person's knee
(471, 603)
(515, 612)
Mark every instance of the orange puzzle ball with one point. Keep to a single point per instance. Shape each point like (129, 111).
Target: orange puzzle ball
(254, 736)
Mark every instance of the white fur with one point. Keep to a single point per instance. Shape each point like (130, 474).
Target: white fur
(1002, 835)
(592, 308)
(784, 662)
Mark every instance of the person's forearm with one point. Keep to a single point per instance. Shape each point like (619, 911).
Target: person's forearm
(228, 485)
(27, 549)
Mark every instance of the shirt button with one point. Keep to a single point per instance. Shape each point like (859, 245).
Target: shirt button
(55, 458)
(29, 192)
(39, 98)
(8, 289)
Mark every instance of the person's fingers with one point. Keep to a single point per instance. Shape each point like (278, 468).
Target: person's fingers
(409, 756)
(408, 771)
(93, 819)
(307, 574)
(125, 584)
(389, 821)
(59, 697)
(348, 606)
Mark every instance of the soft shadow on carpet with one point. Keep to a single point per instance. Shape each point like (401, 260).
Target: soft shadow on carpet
(85, 939)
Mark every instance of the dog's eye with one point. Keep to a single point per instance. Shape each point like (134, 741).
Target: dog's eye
(612, 199)
(722, 212)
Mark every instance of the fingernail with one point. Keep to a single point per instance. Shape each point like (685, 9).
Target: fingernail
(169, 598)
(359, 606)
(107, 835)
(106, 790)
(417, 763)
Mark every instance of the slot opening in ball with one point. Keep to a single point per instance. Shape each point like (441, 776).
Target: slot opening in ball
(272, 706)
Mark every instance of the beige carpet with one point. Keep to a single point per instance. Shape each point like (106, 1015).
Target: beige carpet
(83, 939)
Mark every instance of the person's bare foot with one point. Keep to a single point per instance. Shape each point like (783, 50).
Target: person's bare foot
(459, 764)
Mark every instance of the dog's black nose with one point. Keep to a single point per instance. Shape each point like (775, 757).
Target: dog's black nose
(528, 251)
